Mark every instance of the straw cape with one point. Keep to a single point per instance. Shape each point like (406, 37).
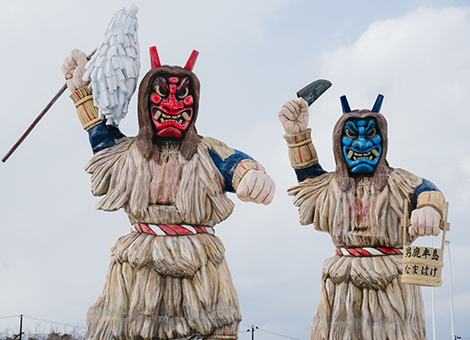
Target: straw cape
(164, 287)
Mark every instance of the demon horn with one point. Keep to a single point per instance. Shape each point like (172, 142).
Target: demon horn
(191, 61)
(378, 103)
(345, 104)
(154, 59)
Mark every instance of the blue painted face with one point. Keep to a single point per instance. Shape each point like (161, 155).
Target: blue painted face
(361, 143)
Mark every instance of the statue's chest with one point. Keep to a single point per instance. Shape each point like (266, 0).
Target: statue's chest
(165, 179)
(360, 205)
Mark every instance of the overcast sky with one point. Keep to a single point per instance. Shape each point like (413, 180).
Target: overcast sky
(254, 56)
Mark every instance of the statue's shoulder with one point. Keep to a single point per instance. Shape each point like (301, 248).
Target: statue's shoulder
(213, 145)
(109, 155)
(312, 184)
(402, 173)
(405, 177)
(323, 178)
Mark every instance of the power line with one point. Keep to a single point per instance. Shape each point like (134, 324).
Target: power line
(284, 336)
(51, 322)
(11, 316)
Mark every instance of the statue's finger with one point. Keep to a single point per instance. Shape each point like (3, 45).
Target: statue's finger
(66, 72)
(79, 57)
(286, 114)
(292, 107)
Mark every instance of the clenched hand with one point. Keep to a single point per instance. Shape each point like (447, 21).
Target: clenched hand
(424, 222)
(257, 187)
(294, 116)
(73, 69)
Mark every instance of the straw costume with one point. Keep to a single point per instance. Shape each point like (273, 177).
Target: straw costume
(361, 295)
(168, 278)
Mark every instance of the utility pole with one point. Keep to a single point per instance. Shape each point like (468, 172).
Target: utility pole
(451, 298)
(433, 305)
(21, 325)
(252, 331)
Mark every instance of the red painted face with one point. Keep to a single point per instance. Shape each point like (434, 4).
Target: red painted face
(171, 106)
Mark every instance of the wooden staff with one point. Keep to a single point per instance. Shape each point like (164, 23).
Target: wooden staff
(39, 117)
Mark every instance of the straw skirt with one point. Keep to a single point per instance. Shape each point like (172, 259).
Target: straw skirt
(363, 298)
(166, 287)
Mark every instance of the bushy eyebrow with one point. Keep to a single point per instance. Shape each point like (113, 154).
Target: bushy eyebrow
(370, 124)
(183, 85)
(352, 126)
(162, 82)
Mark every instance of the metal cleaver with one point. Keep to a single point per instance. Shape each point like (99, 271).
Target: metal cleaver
(314, 90)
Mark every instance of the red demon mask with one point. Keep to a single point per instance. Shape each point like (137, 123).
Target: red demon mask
(171, 105)
(171, 101)
(168, 106)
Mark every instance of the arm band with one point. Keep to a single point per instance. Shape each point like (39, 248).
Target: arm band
(302, 153)
(242, 168)
(86, 110)
(434, 199)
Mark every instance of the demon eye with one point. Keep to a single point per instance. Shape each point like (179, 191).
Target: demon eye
(160, 91)
(350, 134)
(371, 133)
(184, 93)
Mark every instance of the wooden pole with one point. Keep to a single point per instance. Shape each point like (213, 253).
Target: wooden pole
(39, 117)
(36, 121)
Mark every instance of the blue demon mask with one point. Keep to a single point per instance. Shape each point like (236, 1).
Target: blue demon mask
(361, 145)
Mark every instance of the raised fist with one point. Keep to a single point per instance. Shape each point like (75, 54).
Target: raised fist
(73, 69)
(294, 116)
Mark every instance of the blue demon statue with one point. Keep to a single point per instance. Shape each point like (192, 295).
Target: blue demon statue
(361, 205)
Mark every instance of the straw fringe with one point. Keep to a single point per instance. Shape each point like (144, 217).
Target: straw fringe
(187, 291)
(348, 311)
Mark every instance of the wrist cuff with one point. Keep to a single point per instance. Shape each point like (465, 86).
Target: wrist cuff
(87, 113)
(433, 199)
(302, 153)
(242, 168)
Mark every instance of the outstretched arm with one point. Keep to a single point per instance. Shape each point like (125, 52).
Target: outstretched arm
(302, 154)
(101, 136)
(246, 177)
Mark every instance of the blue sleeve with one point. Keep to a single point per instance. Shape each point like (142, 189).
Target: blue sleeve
(228, 166)
(103, 136)
(424, 186)
(309, 172)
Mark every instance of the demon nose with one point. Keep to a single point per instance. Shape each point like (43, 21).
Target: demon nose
(360, 143)
(172, 104)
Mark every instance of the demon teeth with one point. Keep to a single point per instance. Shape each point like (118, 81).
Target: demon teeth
(371, 155)
(163, 117)
(166, 118)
